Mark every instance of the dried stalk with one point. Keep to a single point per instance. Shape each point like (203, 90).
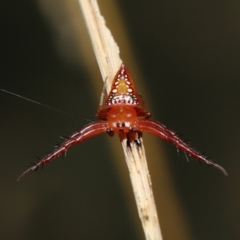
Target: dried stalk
(107, 55)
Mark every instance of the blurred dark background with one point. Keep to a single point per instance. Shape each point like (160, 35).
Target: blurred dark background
(189, 56)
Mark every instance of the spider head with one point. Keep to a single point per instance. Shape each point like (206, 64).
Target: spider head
(122, 118)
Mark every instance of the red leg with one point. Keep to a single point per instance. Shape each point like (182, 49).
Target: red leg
(161, 131)
(101, 114)
(88, 131)
(142, 113)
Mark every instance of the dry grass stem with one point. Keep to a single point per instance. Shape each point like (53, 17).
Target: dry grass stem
(107, 55)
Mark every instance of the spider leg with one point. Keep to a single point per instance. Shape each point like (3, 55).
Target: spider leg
(102, 113)
(88, 131)
(137, 141)
(161, 131)
(102, 95)
(142, 113)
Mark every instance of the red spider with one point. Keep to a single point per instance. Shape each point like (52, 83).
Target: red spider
(125, 115)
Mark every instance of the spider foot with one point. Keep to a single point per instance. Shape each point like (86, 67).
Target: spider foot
(218, 167)
(33, 168)
(134, 137)
(138, 142)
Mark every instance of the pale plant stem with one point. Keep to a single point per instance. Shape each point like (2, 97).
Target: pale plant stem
(107, 55)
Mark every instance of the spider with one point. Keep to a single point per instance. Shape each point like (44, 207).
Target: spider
(125, 115)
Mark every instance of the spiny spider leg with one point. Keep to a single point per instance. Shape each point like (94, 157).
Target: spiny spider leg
(158, 129)
(88, 131)
(102, 95)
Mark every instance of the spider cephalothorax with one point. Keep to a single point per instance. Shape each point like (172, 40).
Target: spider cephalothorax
(124, 115)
